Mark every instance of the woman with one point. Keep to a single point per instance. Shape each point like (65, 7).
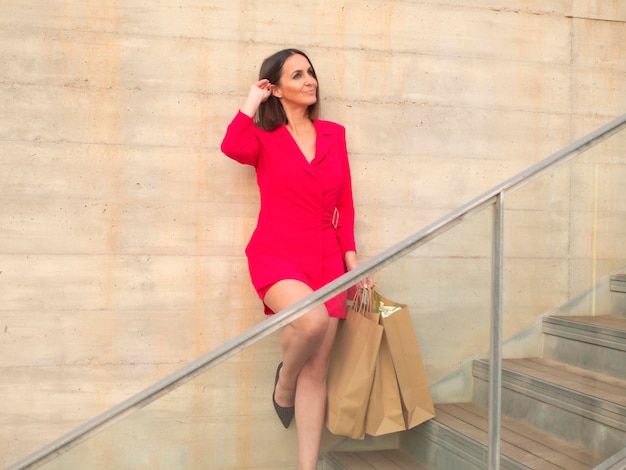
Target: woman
(305, 232)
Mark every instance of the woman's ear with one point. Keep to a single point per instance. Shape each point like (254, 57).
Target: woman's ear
(276, 92)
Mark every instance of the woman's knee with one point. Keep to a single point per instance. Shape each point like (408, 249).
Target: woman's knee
(313, 325)
(317, 365)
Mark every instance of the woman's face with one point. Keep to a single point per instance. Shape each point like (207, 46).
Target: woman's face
(298, 85)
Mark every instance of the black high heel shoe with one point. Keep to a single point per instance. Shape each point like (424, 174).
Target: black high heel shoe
(285, 414)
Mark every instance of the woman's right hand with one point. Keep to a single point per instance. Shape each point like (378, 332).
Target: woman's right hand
(259, 92)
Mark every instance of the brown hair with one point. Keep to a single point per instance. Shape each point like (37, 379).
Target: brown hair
(271, 114)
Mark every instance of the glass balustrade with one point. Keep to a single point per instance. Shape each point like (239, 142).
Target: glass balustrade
(565, 233)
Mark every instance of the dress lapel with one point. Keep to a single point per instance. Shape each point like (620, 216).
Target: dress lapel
(289, 146)
(323, 141)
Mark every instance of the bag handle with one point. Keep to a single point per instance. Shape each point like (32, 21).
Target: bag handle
(364, 301)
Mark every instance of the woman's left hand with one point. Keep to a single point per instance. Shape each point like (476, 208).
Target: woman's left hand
(367, 283)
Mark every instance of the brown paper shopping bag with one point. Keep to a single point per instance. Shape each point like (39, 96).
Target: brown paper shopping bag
(417, 403)
(384, 411)
(351, 372)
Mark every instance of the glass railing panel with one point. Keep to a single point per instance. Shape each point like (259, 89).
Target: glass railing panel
(564, 237)
(536, 251)
(447, 287)
(222, 418)
(598, 218)
(564, 234)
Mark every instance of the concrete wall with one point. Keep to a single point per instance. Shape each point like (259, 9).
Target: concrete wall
(122, 226)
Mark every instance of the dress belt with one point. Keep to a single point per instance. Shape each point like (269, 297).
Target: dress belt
(333, 219)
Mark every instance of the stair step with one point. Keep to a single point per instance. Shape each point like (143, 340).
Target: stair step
(583, 407)
(618, 282)
(569, 387)
(608, 390)
(394, 459)
(464, 428)
(607, 329)
(591, 342)
(615, 462)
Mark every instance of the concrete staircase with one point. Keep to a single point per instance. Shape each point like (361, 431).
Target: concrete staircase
(565, 410)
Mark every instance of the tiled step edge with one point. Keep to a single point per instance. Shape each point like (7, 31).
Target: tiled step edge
(459, 435)
(615, 462)
(618, 283)
(590, 407)
(390, 458)
(468, 452)
(568, 327)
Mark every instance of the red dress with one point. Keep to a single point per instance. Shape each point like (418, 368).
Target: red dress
(306, 218)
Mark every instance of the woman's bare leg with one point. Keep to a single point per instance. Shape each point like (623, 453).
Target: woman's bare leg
(301, 338)
(311, 401)
(306, 344)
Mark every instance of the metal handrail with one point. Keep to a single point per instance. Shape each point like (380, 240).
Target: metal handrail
(287, 315)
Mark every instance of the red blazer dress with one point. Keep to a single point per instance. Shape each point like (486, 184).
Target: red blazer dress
(306, 219)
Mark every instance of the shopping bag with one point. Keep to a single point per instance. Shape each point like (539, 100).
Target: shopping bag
(384, 411)
(417, 404)
(351, 370)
